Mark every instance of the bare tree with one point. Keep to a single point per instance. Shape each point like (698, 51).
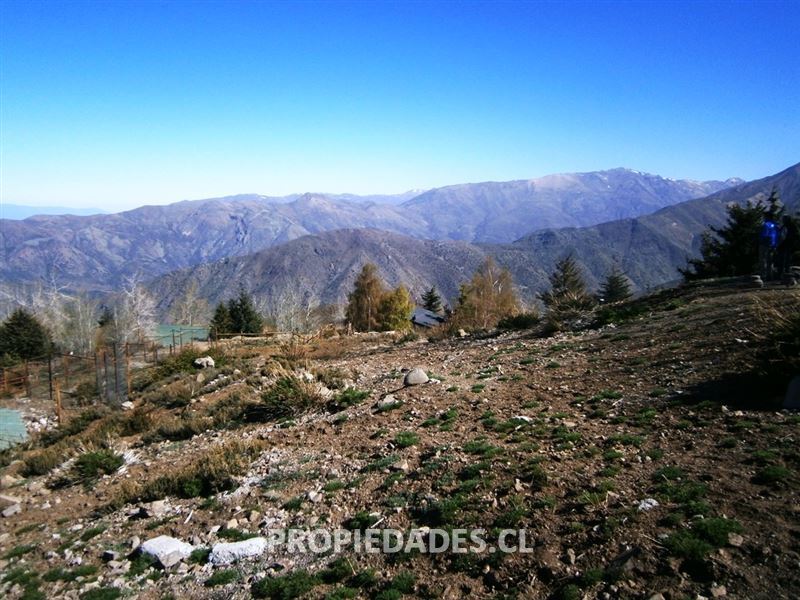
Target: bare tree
(135, 314)
(191, 309)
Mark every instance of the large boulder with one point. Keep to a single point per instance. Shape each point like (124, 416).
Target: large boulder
(167, 550)
(226, 553)
(416, 376)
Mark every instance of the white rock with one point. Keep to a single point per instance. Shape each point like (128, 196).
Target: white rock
(204, 362)
(387, 401)
(416, 376)
(229, 552)
(127, 405)
(648, 504)
(12, 510)
(168, 550)
(522, 418)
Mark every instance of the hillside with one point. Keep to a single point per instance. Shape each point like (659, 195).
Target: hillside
(322, 268)
(97, 252)
(621, 452)
(502, 212)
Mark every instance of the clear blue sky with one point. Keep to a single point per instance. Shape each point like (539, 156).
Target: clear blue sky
(117, 104)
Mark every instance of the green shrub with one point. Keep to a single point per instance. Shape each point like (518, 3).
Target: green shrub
(347, 398)
(289, 397)
(525, 320)
(772, 475)
(406, 439)
(285, 587)
(91, 465)
(102, 593)
(222, 577)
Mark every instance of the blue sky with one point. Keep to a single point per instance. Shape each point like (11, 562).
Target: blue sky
(118, 104)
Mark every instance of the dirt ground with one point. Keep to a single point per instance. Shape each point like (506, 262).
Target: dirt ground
(564, 437)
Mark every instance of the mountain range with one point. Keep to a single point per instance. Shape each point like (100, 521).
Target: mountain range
(97, 252)
(321, 268)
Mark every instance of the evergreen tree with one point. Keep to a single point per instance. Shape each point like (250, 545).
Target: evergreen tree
(432, 301)
(733, 250)
(394, 311)
(364, 301)
(487, 298)
(567, 289)
(616, 287)
(220, 322)
(23, 337)
(243, 315)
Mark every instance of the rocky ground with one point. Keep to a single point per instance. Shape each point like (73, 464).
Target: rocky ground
(641, 458)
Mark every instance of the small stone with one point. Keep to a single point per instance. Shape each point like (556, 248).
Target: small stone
(657, 597)
(200, 378)
(718, 591)
(314, 496)
(110, 555)
(12, 510)
(735, 540)
(127, 405)
(232, 524)
(401, 465)
(571, 556)
(416, 376)
(134, 542)
(462, 333)
(205, 362)
(387, 401)
(254, 516)
(7, 481)
(647, 504)
(157, 508)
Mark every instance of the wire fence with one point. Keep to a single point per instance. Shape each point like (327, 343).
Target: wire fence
(71, 381)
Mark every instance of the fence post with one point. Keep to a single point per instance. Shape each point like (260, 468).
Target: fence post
(97, 383)
(105, 375)
(59, 411)
(116, 372)
(50, 375)
(28, 380)
(127, 370)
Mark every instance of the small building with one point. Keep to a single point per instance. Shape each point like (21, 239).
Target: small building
(422, 317)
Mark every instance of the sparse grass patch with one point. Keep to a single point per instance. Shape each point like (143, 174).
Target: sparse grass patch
(406, 439)
(481, 447)
(347, 398)
(91, 465)
(20, 550)
(222, 577)
(772, 475)
(93, 532)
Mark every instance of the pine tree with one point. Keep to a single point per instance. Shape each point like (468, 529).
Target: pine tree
(220, 322)
(616, 287)
(394, 311)
(487, 298)
(363, 302)
(243, 315)
(732, 250)
(23, 337)
(432, 301)
(567, 289)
